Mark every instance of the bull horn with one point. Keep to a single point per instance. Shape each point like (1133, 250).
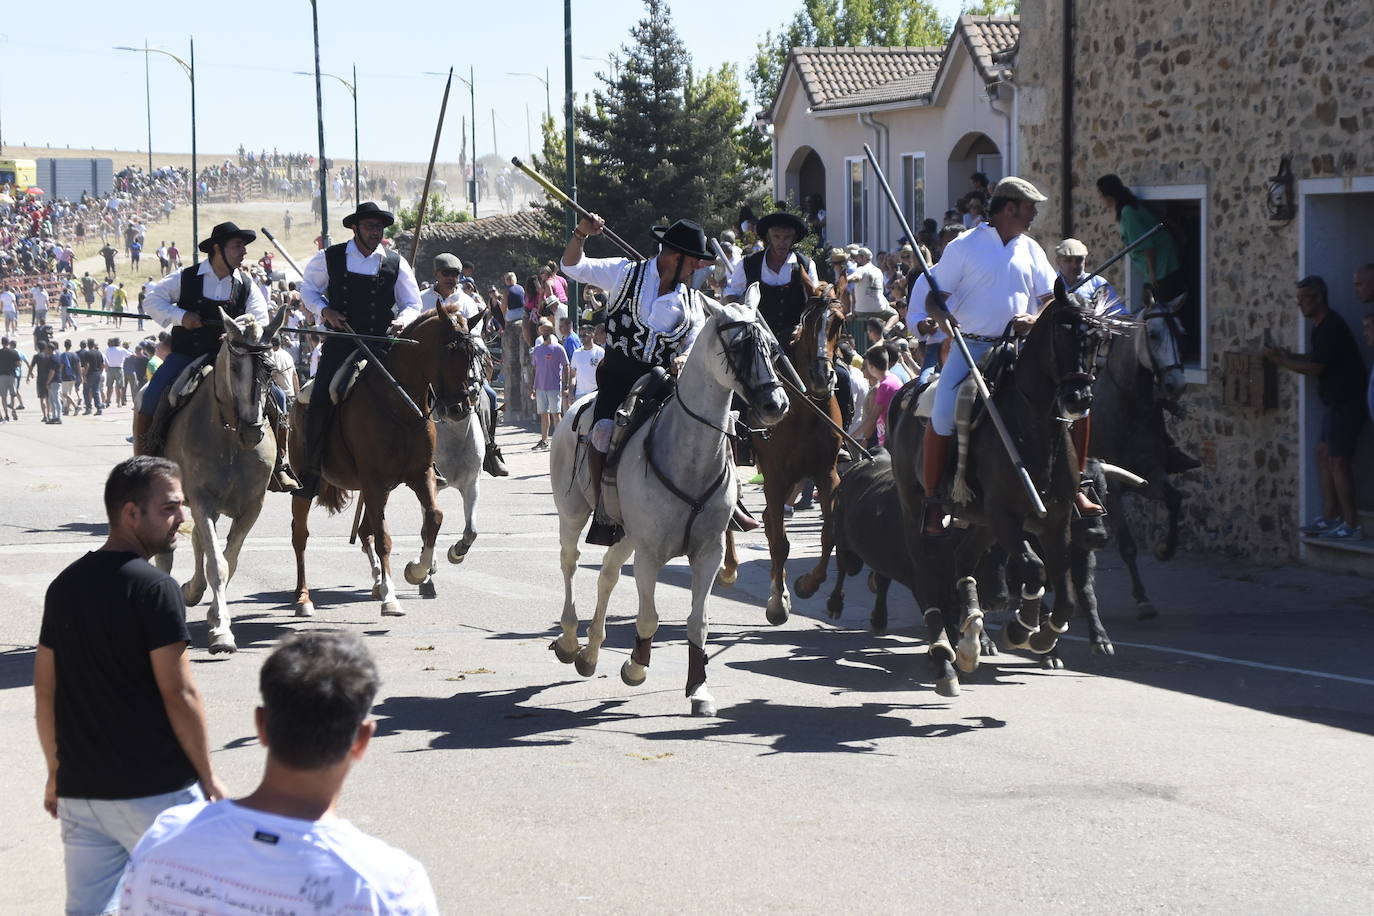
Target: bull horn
(1116, 475)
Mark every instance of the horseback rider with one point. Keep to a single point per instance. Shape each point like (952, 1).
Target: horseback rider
(368, 287)
(446, 293)
(653, 317)
(190, 301)
(991, 275)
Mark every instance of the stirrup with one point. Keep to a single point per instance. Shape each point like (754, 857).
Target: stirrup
(927, 505)
(741, 519)
(440, 481)
(283, 480)
(603, 534)
(1088, 491)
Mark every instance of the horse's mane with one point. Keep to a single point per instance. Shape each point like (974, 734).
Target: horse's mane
(819, 292)
(450, 312)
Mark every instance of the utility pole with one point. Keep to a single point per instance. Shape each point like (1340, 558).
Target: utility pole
(319, 123)
(195, 175)
(148, 101)
(574, 293)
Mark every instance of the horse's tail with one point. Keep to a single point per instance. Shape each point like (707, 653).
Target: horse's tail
(333, 498)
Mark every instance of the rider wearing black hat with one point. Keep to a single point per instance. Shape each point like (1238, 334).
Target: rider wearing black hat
(783, 288)
(189, 301)
(366, 285)
(652, 319)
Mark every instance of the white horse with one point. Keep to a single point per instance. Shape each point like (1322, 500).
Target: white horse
(676, 490)
(459, 447)
(226, 453)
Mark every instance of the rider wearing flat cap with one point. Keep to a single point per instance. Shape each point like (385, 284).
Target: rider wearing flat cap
(368, 287)
(189, 301)
(652, 319)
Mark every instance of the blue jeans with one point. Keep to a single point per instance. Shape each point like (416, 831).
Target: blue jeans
(98, 835)
(166, 373)
(947, 388)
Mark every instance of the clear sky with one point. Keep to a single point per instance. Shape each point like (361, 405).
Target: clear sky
(62, 84)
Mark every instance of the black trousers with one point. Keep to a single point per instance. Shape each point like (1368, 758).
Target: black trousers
(615, 377)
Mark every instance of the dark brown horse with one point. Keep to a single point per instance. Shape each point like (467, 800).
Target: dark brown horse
(376, 442)
(800, 446)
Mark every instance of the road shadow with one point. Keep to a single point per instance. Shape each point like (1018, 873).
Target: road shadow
(16, 667)
(255, 631)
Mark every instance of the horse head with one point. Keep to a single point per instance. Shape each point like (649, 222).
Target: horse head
(446, 353)
(1157, 345)
(814, 342)
(243, 370)
(1063, 345)
(742, 352)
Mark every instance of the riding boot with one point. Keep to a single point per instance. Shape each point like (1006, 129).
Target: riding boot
(316, 426)
(142, 422)
(1086, 498)
(935, 453)
(494, 464)
(741, 519)
(282, 480)
(603, 532)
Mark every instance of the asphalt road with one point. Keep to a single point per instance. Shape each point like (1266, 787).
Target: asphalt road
(1218, 762)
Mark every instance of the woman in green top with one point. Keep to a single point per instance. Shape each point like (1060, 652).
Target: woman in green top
(1158, 259)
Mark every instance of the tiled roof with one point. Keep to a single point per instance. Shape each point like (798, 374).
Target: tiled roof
(835, 78)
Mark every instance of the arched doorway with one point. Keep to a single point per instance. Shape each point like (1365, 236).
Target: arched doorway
(975, 152)
(804, 181)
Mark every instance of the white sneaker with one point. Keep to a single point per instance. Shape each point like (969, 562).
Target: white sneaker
(1319, 525)
(1343, 532)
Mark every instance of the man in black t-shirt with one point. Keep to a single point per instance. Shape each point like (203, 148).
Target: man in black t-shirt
(119, 717)
(9, 379)
(1336, 363)
(49, 386)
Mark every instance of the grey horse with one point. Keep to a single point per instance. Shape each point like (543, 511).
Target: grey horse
(226, 452)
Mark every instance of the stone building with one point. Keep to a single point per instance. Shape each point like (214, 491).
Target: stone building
(493, 244)
(1196, 105)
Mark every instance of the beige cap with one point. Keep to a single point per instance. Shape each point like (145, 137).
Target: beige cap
(1071, 248)
(1014, 188)
(839, 254)
(447, 261)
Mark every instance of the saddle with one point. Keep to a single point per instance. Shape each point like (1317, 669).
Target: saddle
(176, 396)
(996, 367)
(642, 404)
(341, 385)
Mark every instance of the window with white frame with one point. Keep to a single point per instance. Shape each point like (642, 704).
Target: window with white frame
(856, 201)
(1183, 210)
(914, 188)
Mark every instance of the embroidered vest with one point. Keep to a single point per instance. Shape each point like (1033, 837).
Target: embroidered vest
(627, 333)
(367, 302)
(205, 339)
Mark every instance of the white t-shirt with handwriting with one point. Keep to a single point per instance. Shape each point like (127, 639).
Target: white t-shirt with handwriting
(221, 857)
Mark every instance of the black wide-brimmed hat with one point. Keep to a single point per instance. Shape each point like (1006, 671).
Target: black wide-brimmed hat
(368, 210)
(685, 236)
(224, 232)
(781, 219)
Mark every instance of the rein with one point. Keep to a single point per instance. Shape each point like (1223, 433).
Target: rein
(263, 371)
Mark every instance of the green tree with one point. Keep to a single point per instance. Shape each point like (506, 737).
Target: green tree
(992, 8)
(845, 23)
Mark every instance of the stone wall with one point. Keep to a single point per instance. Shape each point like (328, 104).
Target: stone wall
(1210, 92)
(493, 245)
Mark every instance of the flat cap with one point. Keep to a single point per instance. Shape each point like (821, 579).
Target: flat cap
(447, 261)
(1071, 248)
(839, 254)
(1014, 188)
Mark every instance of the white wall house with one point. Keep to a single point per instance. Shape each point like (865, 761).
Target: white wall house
(933, 117)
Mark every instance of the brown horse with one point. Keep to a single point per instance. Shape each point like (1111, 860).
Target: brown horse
(800, 446)
(376, 442)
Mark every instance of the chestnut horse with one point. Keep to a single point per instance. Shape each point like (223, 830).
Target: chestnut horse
(800, 446)
(376, 442)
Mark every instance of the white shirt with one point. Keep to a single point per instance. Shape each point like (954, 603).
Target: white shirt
(767, 275)
(283, 370)
(988, 283)
(859, 385)
(867, 284)
(584, 363)
(468, 306)
(161, 301)
(40, 298)
(115, 356)
(314, 286)
(107, 294)
(661, 314)
(222, 857)
(7, 301)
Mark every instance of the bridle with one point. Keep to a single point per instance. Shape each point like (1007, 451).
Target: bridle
(455, 405)
(823, 306)
(262, 372)
(1174, 327)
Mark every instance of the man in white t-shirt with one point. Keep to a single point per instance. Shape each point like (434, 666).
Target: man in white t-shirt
(866, 283)
(283, 848)
(10, 306)
(989, 276)
(40, 304)
(115, 354)
(585, 359)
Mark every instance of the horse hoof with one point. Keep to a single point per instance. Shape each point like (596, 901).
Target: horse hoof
(1043, 641)
(585, 663)
(1146, 610)
(392, 608)
(703, 708)
(632, 674)
(457, 553)
(377, 590)
(873, 582)
(779, 606)
(878, 625)
(427, 589)
(988, 646)
(804, 587)
(834, 607)
(1015, 636)
(1104, 647)
(727, 576)
(565, 656)
(415, 573)
(970, 648)
(947, 686)
(222, 643)
(1052, 662)
(1165, 554)
(305, 609)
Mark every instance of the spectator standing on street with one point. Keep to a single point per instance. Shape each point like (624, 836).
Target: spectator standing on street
(283, 847)
(115, 355)
(514, 352)
(45, 370)
(65, 301)
(866, 282)
(173, 256)
(565, 334)
(9, 380)
(119, 716)
(69, 372)
(584, 363)
(550, 362)
(108, 254)
(88, 289)
(162, 258)
(92, 377)
(10, 306)
(40, 304)
(1336, 363)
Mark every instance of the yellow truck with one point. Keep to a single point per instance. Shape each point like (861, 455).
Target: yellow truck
(18, 175)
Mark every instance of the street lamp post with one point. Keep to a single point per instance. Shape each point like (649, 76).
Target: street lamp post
(148, 103)
(574, 293)
(190, 69)
(548, 97)
(353, 91)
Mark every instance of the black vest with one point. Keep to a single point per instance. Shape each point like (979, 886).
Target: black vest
(367, 302)
(781, 307)
(205, 339)
(627, 334)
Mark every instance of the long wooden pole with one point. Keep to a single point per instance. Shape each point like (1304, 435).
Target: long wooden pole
(429, 174)
(557, 194)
